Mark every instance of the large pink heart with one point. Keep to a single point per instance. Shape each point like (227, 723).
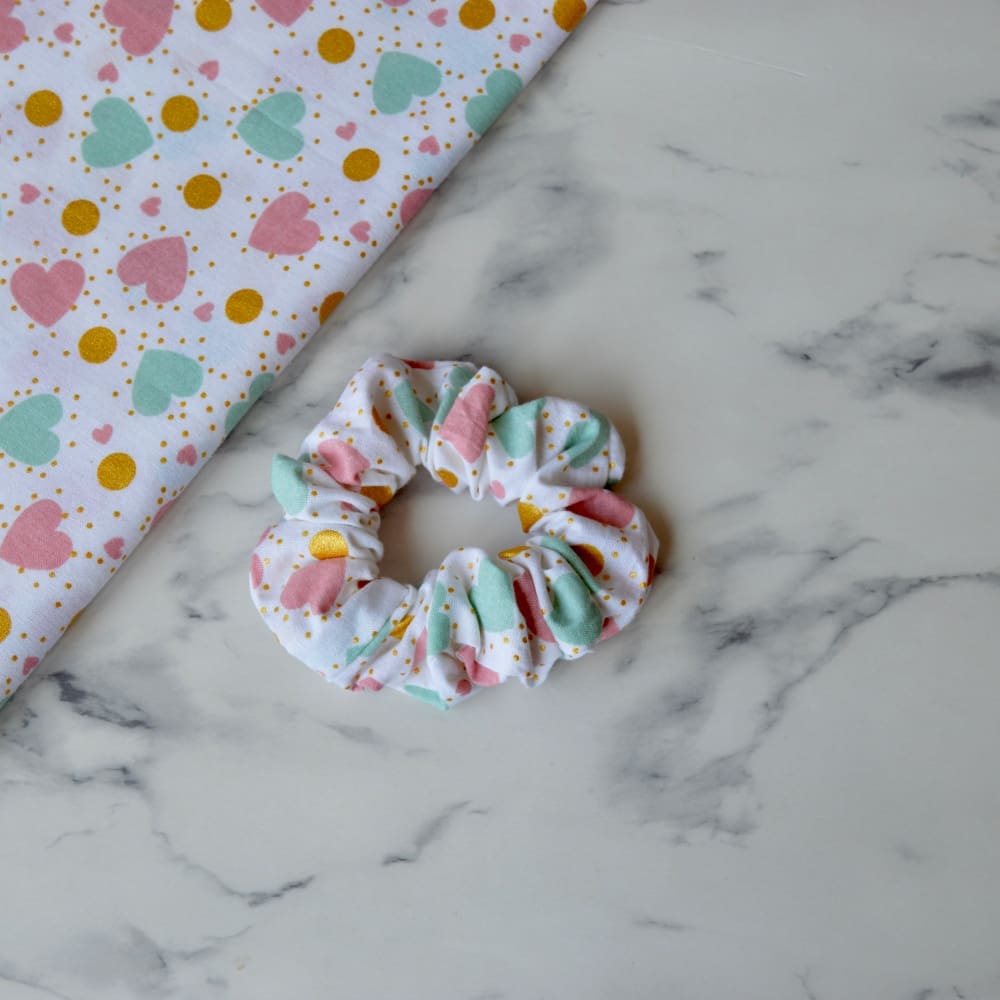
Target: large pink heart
(283, 227)
(161, 265)
(343, 463)
(478, 674)
(527, 603)
(468, 421)
(11, 28)
(285, 12)
(317, 585)
(46, 296)
(601, 505)
(143, 23)
(33, 541)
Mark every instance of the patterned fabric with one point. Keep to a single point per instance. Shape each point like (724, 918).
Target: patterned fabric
(581, 575)
(187, 191)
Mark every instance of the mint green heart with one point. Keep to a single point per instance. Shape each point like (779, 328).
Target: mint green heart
(492, 598)
(287, 484)
(239, 410)
(438, 623)
(361, 652)
(579, 566)
(269, 128)
(160, 376)
(502, 86)
(121, 134)
(24, 430)
(401, 77)
(586, 439)
(575, 619)
(417, 412)
(516, 428)
(426, 694)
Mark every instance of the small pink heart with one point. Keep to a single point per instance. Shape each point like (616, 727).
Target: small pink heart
(518, 42)
(29, 664)
(346, 131)
(102, 434)
(438, 17)
(285, 343)
(187, 455)
(64, 32)
(429, 145)
(210, 69)
(204, 311)
(29, 193)
(151, 206)
(108, 73)
(114, 547)
(361, 231)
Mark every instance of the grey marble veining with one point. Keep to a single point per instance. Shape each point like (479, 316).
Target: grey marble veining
(766, 243)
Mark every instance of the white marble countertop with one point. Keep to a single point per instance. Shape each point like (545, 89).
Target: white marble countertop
(766, 243)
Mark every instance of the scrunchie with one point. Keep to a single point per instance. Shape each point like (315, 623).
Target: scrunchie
(580, 576)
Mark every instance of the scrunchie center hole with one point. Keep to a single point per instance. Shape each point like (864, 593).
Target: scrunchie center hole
(424, 522)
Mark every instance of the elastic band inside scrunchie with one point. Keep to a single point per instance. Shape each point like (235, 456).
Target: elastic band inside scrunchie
(581, 574)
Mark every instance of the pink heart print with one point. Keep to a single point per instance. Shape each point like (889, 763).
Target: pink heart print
(317, 584)
(204, 311)
(29, 664)
(114, 547)
(11, 28)
(438, 17)
(151, 207)
(346, 131)
(361, 231)
(283, 227)
(64, 32)
(33, 541)
(29, 193)
(160, 265)
(187, 455)
(518, 42)
(46, 296)
(285, 343)
(102, 435)
(429, 145)
(285, 12)
(143, 22)
(108, 73)
(343, 463)
(209, 70)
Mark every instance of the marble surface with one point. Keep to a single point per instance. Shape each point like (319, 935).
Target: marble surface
(765, 241)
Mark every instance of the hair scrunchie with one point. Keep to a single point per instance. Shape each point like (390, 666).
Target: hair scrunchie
(581, 574)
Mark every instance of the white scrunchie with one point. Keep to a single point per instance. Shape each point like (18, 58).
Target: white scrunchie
(581, 574)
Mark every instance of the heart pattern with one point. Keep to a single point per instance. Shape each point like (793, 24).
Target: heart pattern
(502, 86)
(34, 540)
(182, 214)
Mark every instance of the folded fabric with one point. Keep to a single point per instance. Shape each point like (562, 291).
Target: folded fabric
(580, 576)
(187, 195)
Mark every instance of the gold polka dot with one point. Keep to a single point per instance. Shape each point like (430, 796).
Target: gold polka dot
(329, 304)
(380, 494)
(379, 422)
(400, 629)
(97, 345)
(528, 513)
(80, 217)
(180, 113)
(244, 306)
(476, 14)
(336, 45)
(4, 624)
(568, 13)
(213, 15)
(43, 108)
(202, 191)
(448, 478)
(361, 164)
(590, 556)
(510, 553)
(116, 471)
(328, 545)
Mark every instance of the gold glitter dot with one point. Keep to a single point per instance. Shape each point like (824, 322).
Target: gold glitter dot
(97, 345)
(202, 191)
(328, 545)
(4, 624)
(43, 108)
(361, 164)
(329, 304)
(213, 15)
(335, 45)
(116, 471)
(568, 13)
(476, 14)
(448, 478)
(180, 113)
(80, 217)
(380, 494)
(244, 306)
